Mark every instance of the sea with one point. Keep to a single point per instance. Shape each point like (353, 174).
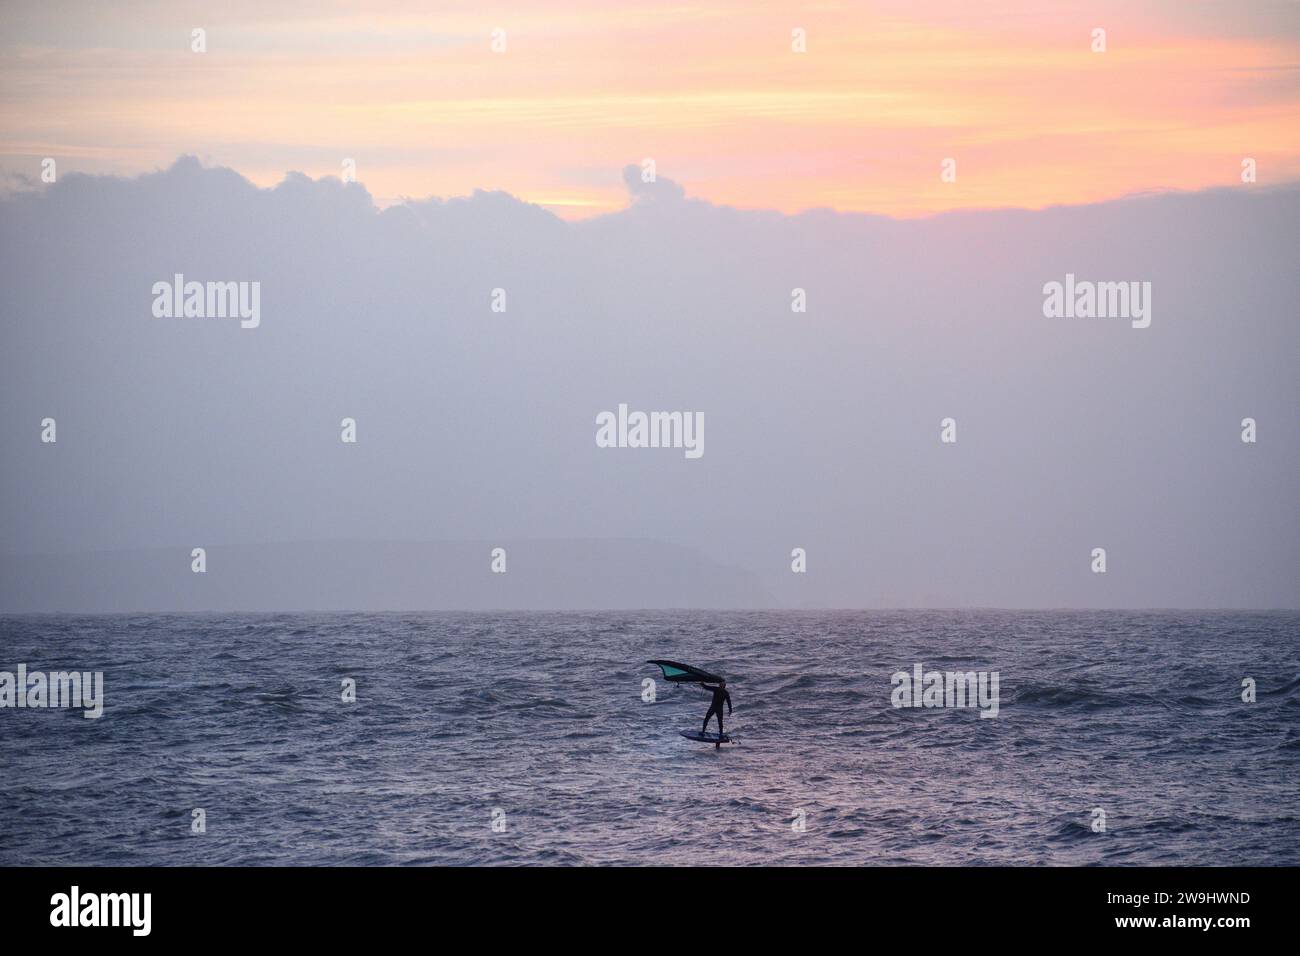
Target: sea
(1120, 738)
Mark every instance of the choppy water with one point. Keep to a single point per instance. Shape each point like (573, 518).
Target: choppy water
(541, 715)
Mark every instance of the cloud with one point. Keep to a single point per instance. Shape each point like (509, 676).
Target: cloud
(822, 427)
(661, 190)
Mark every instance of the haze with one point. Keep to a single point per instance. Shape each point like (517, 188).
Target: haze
(477, 427)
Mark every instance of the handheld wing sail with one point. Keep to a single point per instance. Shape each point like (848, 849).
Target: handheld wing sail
(679, 673)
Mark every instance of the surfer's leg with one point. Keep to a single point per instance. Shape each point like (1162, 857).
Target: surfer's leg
(705, 728)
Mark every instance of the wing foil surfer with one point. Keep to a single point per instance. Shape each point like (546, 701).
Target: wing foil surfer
(720, 696)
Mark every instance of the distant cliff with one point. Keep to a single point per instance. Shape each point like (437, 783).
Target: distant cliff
(379, 576)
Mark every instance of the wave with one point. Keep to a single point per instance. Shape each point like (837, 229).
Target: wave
(1285, 690)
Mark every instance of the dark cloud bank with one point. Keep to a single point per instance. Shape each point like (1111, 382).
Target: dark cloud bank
(477, 429)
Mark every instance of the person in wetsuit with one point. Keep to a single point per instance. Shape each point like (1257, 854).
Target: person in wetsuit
(719, 695)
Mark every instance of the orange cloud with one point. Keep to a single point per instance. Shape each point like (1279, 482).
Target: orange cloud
(714, 93)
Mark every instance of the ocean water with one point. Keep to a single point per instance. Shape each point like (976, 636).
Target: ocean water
(537, 721)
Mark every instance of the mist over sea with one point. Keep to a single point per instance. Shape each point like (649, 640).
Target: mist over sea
(540, 717)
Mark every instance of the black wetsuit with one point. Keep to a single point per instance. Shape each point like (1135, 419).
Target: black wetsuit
(719, 695)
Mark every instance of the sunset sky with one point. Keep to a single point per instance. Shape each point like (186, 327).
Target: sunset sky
(711, 91)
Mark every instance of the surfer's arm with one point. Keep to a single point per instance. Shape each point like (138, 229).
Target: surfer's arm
(728, 696)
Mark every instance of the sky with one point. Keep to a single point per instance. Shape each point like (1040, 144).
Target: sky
(797, 274)
(713, 93)
(822, 429)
